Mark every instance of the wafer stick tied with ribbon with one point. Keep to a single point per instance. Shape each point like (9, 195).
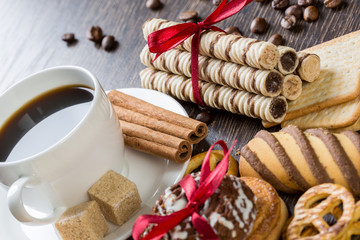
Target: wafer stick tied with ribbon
(265, 82)
(216, 96)
(162, 40)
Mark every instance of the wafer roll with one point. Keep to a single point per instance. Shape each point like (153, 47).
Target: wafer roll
(293, 161)
(309, 66)
(289, 60)
(265, 82)
(292, 87)
(228, 47)
(216, 96)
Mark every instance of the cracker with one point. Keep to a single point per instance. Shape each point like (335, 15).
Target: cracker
(339, 80)
(338, 116)
(353, 127)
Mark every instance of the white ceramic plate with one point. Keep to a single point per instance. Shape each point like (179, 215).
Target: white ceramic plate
(151, 175)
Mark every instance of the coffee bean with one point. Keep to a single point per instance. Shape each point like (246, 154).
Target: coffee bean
(332, 3)
(216, 2)
(305, 3)
(188, 16)
(276, 39)
(311, 13)
(154, 4)
(258, 25)
(295, 10)
(288, 22)
(204, 117)
(233, 30)
(108, 42)
(68, 37)
(95, 34)
(280, 4)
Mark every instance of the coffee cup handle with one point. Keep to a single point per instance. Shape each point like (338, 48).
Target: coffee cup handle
(16, 205)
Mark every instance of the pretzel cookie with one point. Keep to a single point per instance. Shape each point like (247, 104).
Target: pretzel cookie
(313, 205)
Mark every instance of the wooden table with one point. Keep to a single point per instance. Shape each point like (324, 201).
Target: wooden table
(30, 40)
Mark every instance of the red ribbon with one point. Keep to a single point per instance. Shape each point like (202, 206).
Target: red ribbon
(168, 38)
(209, 182)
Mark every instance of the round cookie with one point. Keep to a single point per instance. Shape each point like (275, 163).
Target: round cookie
(230, 211)
(215, 157)
(271, 210)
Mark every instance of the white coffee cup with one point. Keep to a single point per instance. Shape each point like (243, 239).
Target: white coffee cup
(59, 176)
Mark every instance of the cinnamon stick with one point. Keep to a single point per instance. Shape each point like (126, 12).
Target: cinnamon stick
(137, 111)
(156, 143)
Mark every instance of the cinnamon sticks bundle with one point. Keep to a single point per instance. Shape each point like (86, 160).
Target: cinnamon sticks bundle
(154, 130)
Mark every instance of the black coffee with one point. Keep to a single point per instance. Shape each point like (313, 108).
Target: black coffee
(43, 121)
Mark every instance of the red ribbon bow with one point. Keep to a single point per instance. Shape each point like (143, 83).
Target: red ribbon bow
(209, 182)
(168, 38)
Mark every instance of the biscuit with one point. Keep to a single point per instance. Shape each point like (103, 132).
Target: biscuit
(293, 161)
(339, 80)
(338, 116)
(271, 213)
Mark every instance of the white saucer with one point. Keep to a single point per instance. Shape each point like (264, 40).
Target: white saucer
(151, 175)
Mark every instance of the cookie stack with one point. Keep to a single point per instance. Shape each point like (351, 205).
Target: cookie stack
(333, 101)
(237, 74)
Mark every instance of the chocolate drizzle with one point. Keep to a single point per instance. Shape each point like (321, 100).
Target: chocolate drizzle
(222, 64)
(247, 48)
(212, 44)
(263, 171)
(340, 158)
(229, 46)
(251, 104)
(253, 81)
(308, 152)
(177, 62)
(230, 211)
(284, 159)
(236, 76)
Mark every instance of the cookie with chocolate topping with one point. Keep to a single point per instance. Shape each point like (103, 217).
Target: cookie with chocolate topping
(230, 211)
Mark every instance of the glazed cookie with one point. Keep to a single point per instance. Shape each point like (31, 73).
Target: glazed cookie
(230, 211)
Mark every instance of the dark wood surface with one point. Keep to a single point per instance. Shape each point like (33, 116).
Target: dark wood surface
(30, 41)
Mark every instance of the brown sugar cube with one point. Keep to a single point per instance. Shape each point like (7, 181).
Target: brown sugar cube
(117, 197)
(83, 221)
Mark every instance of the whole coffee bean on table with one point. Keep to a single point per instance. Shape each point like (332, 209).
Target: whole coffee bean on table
(280, 4)
(95, 34)
(216, 2)
(258, 25)
(188, 16)
(154, 4)
(108, 42)
(276, 39)
(204, 117)
(305, 3)
(332, 3)
(68, 37)
(288, 22)
(295, 10)
(233, 30)
(311, 13)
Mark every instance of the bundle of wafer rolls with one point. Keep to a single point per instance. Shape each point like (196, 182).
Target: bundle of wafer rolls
(154, 130)
(237, 74)
(332, 101)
